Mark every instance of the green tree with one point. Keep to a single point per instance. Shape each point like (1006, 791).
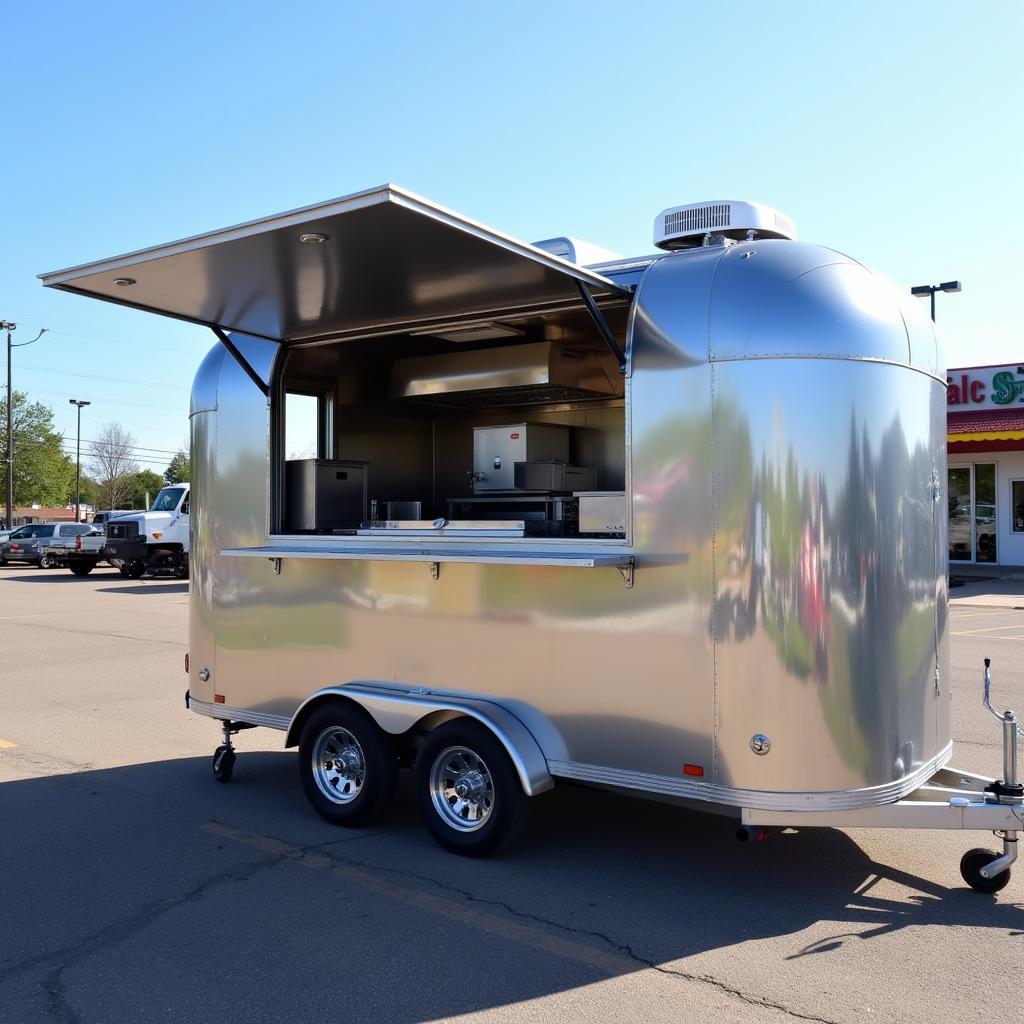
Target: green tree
(180, 469)
(42, 472)
(145, 481)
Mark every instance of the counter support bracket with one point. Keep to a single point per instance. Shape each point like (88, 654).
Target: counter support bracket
(627, 573)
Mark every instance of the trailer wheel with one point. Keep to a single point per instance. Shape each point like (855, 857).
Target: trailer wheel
(80, 568)
(348, 766)
(970, 869)
(223, 763)
(468, 791)
(46, 562)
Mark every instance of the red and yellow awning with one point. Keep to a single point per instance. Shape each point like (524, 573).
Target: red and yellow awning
(985, 431)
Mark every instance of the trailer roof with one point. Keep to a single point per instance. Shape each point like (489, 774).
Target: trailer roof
(379, 260)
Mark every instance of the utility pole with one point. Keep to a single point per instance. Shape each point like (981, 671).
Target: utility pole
(78, 460)
(6, 325)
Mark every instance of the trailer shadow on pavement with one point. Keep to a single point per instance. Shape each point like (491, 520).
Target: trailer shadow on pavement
(235, 902)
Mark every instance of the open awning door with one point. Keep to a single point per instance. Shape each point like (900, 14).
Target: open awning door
(379, 261)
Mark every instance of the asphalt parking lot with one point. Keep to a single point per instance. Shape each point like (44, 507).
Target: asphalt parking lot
(135, 887)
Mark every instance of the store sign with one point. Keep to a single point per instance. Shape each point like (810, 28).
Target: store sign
(989, 387)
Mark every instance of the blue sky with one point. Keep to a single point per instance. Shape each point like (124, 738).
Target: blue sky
(890, 131)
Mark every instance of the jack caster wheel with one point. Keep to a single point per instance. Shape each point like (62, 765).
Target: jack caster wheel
(468, 790)
(970, 868)
(223, 763)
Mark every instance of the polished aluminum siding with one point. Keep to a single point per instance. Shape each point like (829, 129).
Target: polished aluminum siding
(784, 428)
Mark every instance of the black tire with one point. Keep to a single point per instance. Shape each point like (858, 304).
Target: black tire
(45, 562)
(361, 781)
(502, 802)
(80, 568)
(223, 763)
(132, 570)
(181, 569)
(971, 864)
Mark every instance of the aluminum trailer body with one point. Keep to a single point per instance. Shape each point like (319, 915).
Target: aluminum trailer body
(769, 634)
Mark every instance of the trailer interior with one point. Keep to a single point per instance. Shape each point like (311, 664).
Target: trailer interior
(503, 435)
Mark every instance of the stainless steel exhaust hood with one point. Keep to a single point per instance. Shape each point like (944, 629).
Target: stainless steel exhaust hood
(513, 375)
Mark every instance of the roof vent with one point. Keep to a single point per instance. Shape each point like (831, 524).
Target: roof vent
(577, 251)
(682, 227)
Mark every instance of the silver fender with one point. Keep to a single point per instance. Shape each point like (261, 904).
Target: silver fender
(397, 710)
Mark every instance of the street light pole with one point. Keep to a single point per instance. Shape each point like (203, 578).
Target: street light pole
(921, 290)
(78, 460)
(6, 325)
(9, 521)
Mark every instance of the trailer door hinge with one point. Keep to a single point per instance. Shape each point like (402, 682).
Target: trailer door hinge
(627, 573)
(938, 688)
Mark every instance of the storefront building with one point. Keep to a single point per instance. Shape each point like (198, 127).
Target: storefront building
(985, 429)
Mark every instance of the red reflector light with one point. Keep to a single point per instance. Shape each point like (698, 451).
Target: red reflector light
(78, 543)
(186, 663)
(218, 698)
(695, 770)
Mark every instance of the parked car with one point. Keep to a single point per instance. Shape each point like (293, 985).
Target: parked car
(29, 543)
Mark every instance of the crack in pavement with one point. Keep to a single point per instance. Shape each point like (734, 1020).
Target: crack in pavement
(120, 931)
(98, 633)
(625, 957)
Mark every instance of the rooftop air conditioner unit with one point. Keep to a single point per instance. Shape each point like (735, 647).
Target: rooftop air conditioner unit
(683, 227)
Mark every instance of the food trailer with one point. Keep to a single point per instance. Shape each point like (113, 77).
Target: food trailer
(498, 513)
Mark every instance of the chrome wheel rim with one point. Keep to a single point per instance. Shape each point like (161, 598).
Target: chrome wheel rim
(461, 789)
(339, 765)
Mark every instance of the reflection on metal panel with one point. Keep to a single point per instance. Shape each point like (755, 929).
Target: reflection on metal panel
(792, 299)
(825, 566)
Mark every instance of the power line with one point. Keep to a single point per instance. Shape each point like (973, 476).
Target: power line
(117, 401)
(96, 376)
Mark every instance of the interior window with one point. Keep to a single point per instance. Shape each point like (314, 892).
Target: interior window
(301, 426)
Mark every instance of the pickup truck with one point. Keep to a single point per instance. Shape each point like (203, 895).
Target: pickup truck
(154, 541)
(80, 554)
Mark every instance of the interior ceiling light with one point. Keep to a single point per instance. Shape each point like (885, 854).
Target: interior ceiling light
(313, 238)
(124, 282)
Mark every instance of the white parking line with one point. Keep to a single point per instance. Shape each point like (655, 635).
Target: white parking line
(986, 629)
(24, 615)
(974, 637)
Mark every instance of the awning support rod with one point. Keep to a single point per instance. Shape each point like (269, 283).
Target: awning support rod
(241, 360)
(602, 325)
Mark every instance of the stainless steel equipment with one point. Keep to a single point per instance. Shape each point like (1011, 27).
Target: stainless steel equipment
(551, 476)
(769, 633)
(602, 512)
(512, 375)
(323, 494)
(496, 450)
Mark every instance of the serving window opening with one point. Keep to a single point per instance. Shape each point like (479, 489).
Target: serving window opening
(507, 430)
